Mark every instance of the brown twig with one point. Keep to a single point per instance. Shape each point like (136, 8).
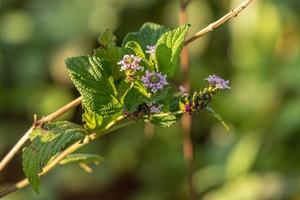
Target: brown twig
(233, 13)
(186, 119)
(9, 156)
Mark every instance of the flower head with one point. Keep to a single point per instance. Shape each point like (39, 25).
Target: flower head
(218, 82)
(151, 49)
(154, 81)
(130, 62)
(154, 108)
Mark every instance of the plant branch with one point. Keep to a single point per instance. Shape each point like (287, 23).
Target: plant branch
(186, 121)
(109, 128)
(9, 156)
(77, 101)
(233, 13)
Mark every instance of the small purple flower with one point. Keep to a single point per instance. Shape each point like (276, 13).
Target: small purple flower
(218, 82)
(151, 49)
(154, 109)
(130, 62)
(154, 81)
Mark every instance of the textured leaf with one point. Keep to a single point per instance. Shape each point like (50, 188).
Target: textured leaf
(136, 48)
(168, 49)
(91, 77)
(132, 100)
(165, 121)
(47, 142)
(148, 34)
(107, 38)
(92, 121)
(95, 122)
(164, 94)
(109, 51)
(82, 158)
(217, 116)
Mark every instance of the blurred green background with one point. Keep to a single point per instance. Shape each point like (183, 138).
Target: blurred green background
(259, 52)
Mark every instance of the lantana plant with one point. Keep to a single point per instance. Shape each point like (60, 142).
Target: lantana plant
(118, 85)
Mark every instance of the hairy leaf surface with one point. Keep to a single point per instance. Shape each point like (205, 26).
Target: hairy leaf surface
(47, 142)
(168, 49)
(148, 34)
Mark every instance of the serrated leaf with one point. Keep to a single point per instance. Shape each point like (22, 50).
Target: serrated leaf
(82, 158)
(217, 116)
(136, 48)
(109, 51)
(107, 38)
(47, 142)
(165, 120)
(91, 77)
(132, 100)
(148, 34)
(168, 49)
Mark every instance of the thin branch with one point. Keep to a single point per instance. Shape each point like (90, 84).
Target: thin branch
(9, 156)
(233, 13)
(185, 4)
(186, 121)
(23, 183)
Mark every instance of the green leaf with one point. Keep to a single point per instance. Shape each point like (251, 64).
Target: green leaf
(168, 49)
(136, 48)
(148, 34)
(107, 39)
(82, 158)
(109, 51)
(165, 120)
(141, 88)
(132, 100)
(47, 142)
(91, 76)
(93, 122)
(217, 116)
(97, 123)
(164, 94)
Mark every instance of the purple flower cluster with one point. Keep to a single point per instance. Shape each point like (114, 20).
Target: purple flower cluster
(154, 81)
(151, 49)
(154, 108)
(130, 62)
(218, 82)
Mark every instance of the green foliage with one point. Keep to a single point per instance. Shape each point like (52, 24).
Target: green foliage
(92, 121)
(136, 48)
(82, 158)
(91, 76)
(168, 49)
(46, 142)
(132, 100)
(161, 95)
(148, 34)
(166, 120)
(109, 51)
